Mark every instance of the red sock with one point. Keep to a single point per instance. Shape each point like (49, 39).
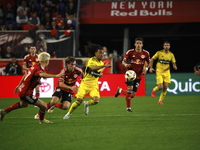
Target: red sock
(37, 94)
(12, 107)
(59, 105)
(48, 105)
(41, 113)
(124, 92)
(128, 100)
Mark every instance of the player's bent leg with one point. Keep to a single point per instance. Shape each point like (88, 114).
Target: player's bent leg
(72, 108)
(119, 90)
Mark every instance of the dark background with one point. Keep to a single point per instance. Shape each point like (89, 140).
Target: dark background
(184, 39)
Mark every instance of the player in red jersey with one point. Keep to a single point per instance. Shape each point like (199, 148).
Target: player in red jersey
(65, 87)
(29, 60)
(136, 60)
(26, 86)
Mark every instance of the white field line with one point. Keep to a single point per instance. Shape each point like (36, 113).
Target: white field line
(134, 115)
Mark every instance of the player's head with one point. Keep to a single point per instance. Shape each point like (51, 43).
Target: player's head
(139, 43)
(94, 50)
(44, 57)
(166, 45)
(32, 49)
(70, 63)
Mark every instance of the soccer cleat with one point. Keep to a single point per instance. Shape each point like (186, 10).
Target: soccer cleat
(50, 110)
(67, 116)
(37, 116)
(160, 102)
(86, 108)
(119, 90)
(44, 121)
(153, 93)
(2, 114)
(129, 110)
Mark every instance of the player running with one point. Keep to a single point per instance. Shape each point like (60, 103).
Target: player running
(136, 60)
(26, 86)
(65, 87)
(89, 84)
(163, 76)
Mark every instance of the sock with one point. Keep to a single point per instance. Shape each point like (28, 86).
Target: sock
(124, 92)
(58, 105)
(41, 113)
(37, 94)
(128, 100)
(156, 88)
(12, 107)
(48, 105)
(74, 106)
(162, 95)
(92, 102)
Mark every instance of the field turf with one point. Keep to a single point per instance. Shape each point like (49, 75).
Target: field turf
(172, 126)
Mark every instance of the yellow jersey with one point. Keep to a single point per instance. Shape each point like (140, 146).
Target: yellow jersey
(92, 76)
(164, 59)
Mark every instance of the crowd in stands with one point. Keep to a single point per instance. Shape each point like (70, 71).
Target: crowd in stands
(37, 14)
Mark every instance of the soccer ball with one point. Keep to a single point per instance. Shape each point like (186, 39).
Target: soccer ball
(130, 75)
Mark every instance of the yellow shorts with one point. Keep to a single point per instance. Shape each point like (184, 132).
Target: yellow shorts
(87, 88)
(163, 77)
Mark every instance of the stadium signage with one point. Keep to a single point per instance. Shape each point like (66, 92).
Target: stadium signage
(180, 87)
(130, 12)
(152, 8)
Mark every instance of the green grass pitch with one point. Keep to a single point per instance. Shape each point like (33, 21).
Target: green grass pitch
(172, 126)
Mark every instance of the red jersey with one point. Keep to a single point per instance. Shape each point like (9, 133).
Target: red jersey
(137, 60)
(29, 60)
(70, 78)
(31, 80)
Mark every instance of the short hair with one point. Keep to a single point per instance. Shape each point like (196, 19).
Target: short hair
(166, 42)
(43, 56)
(92, 48)
(69, 59)
(31, 45)
(139, 39)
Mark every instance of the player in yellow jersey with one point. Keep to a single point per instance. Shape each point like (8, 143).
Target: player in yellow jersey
(89, 84)
(163, 76)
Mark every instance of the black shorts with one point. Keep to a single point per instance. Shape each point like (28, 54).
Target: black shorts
(29, 99)
(135, 83)
(66, 96)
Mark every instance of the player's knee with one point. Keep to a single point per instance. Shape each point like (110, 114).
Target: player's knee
(129, 91)
(96, 102)
(24, 104)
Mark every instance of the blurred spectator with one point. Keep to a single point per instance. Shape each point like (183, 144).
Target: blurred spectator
(33, 9)
(47, 3)
(21, 19)
(120, 68)
(56, 10)
(60, 22)
(46, 21)
(3, 27)
(9, 12)
(44, 11)
(8, 53)
(197, 69)
(53, 25)
(11, 26)
(105, 51)
(71, 11)
(35, 20)
(28, 26)
(53, 54)
(69, 25)
(13, 68)
(23, 8)
(41, 27)
(1, 14)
